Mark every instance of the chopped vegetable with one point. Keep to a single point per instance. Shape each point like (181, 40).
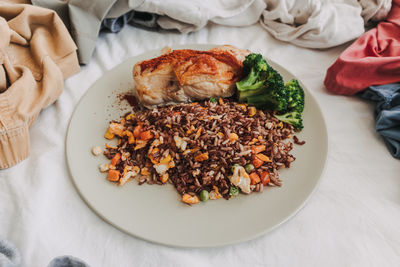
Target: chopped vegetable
(233, 137)
(262, 86)
(96, 150)
(265, 179)
(201, 157)
(258, 149)
(147, 135)
(204, 195)
(130, 116)
(213, 100)
(233, 191)
(137, 131)
(255, 179)
(292, 114)
(113, 175)
(249, 167)
(252, 111)
(108, 135)
(103, 167)
(263, 157)
(257, 162)
(164, 178)
(235, 166)
(188, 199)
(241, 179)
(115, 160)
(214, 194)
(221, 101)
(131, 138)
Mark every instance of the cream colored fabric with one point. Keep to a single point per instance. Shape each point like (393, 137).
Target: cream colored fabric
(321, 23)
(36, 55)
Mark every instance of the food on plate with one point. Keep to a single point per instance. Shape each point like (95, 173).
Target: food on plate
(234, 139)
(185, 75)
(263, 87)
(207, 150)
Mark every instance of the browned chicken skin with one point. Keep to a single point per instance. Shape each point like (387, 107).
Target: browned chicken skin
(185, 75)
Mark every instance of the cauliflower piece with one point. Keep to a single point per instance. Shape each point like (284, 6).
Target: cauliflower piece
(96, 150)
(241, 179)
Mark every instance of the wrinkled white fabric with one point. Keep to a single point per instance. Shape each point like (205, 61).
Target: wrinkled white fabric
(321, 23)
(313, 23)
(186, 16)
(308, 23)
(351, 220)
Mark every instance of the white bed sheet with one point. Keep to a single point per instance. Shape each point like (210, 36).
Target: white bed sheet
(351, 220)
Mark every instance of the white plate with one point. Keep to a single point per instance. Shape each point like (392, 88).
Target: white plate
(155, 213)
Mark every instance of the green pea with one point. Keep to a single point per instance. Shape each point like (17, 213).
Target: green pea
(213, 100)
(235, 166)
(233, 191)
(249, 167)
(204, 195)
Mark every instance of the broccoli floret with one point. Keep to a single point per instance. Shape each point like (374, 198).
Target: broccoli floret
(255, 72)
(295, 107)
(293, 118)
(271, 99)
(295, 96)
(262, 86)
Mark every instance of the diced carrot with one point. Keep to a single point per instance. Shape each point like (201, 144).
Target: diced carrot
(221, 101)
(265, 179)
(255, 179)
(263, 157)
(115, 160)
(233, 137)
(201, 157)
(258, 149)
(131, 138)
(188, 199)
(146, 135)
(176, 113)
(113, 175)
(108, 135)
(257, 162)
(164, 178)
(137, 131)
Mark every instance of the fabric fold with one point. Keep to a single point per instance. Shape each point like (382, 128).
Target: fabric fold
(373, 59)
(37, 54)
(387, 114)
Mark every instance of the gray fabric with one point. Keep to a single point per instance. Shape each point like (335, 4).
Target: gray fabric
(9, 254)
(67, 261)
(84, 18)
(10, 257)
(387, 114)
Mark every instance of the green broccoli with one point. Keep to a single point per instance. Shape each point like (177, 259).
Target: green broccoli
(295, 107)
(255, 71)
(262, 86)
(295, 96)
(293, 118)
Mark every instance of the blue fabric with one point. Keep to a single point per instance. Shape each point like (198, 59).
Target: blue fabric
(10, 257)
(387, 114)
(144, 19)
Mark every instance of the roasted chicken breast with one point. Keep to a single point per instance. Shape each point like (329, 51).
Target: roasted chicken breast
(185, 75)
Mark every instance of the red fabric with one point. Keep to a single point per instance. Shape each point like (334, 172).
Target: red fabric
(373, 59)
